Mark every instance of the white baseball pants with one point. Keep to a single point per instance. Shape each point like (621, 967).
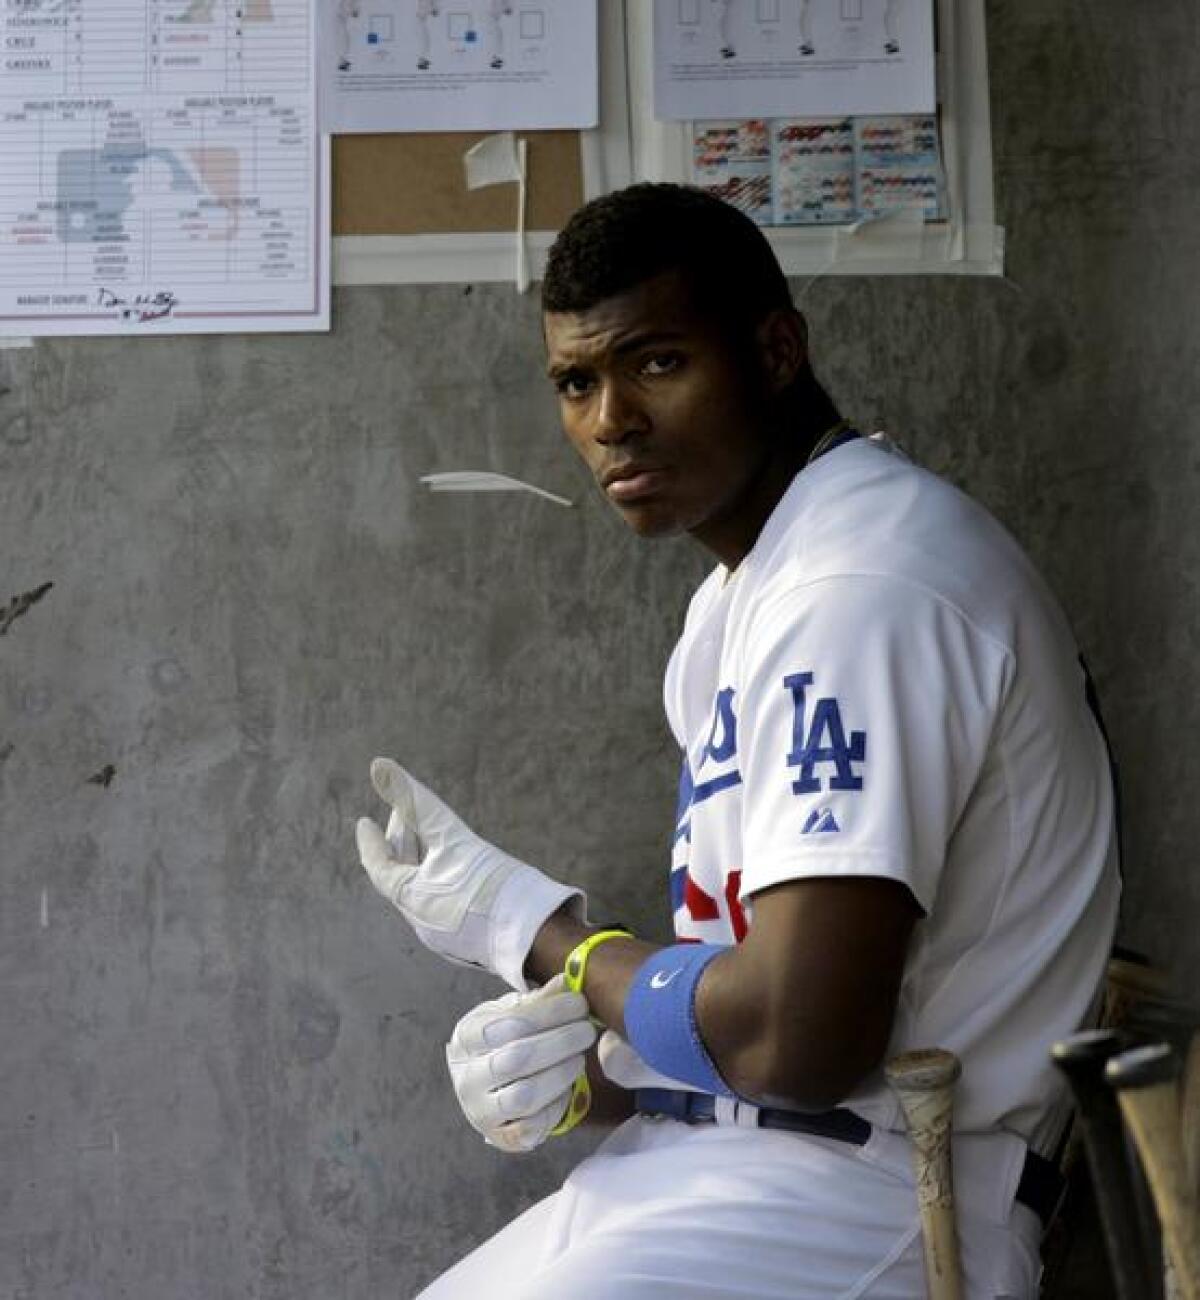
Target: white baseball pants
(666, 1212)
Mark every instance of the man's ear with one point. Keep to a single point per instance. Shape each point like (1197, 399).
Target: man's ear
(782, 347)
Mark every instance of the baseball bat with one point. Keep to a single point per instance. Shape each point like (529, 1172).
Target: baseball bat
(1189, 1114)
(1130, 981)
(923, 1081)
(1082, 1059)
(1146, 1080)
(1164, 1018)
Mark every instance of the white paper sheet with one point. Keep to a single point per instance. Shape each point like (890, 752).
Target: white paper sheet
(458, 65)
(160, 168)
(792, 58)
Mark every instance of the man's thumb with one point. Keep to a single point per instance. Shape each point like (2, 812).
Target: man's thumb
(387, 874)
(394, 785)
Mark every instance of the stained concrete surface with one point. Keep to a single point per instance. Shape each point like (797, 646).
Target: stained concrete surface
(222, 1074)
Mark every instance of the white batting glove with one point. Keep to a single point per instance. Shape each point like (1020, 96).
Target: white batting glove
(466, 899)
(513, 1062)
(622, 1064)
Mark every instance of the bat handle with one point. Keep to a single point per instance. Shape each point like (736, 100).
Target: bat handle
(1146, 1080)
(923, 1082)
(1135, 1263)
(1189, 1115)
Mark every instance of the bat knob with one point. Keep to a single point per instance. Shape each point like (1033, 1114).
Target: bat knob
(1088, 1045)
(1083, 1056)
(1143, 1067)
(923, 1069)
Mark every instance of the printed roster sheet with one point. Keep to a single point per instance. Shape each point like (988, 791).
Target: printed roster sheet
(160, 168)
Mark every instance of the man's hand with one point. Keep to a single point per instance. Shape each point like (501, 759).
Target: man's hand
(466, 899)
(513, 1062)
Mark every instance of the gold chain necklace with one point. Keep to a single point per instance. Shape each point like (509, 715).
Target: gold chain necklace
(826, 440)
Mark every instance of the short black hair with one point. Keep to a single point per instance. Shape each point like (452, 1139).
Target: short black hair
(632, 235)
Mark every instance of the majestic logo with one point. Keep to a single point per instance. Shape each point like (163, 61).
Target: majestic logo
(821, 821)
(821, 742)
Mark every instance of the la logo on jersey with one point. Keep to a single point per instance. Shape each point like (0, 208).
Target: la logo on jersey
(820, 742)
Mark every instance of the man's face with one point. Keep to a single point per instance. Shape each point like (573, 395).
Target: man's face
(665, 411)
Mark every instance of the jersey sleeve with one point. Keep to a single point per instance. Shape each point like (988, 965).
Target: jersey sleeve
(866, 712)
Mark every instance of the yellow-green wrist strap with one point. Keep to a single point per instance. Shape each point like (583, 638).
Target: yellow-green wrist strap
(577, 1107)
(574, 969)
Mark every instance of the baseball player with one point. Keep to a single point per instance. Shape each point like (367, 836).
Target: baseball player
(426, 9)
(806, 36)
(497, 9)
(894, 829)
(725, 28)
(891, 30)
(346, 13)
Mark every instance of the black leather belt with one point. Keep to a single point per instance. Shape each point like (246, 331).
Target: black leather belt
(1040, 1186)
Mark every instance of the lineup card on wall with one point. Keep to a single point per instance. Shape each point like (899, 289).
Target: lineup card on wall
(792, 58)
(822, 171)
(458, 65)
(160, 168)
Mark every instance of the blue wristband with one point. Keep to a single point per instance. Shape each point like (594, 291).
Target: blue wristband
(660, 1015)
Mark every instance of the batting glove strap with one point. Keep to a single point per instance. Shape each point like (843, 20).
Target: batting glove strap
(660, 1016)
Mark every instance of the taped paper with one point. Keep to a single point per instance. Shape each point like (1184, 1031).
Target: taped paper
(502, 159)
(898, 235)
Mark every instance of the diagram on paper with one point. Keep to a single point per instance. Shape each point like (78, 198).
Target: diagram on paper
(861, 28)
(97, 189)
(449, 64)
(774, 58)
(442, 37)
(822, 171)
(160, 166)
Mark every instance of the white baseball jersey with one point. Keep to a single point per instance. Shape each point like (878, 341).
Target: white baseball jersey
(885, 687)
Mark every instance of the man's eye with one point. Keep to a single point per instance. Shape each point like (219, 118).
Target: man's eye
(662, 363)
(572, 385)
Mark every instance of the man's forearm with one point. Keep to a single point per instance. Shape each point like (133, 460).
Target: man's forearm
(795, 1015)
(610, 973)
(610, 970)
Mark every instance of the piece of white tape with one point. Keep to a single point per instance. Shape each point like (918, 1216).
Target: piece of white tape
(900, 233)
(502, 159)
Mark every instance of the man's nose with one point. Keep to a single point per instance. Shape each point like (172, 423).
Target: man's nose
(618, 414)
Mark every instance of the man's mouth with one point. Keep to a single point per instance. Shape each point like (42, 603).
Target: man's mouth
(632, 482)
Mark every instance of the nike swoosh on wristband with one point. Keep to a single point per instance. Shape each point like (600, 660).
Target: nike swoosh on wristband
(661, 978)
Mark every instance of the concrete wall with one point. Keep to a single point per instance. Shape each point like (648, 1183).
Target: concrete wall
(221, 1070)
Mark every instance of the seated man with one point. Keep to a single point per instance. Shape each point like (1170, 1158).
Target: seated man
(894, 829)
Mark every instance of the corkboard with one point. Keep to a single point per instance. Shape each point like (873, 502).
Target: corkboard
(414, 185)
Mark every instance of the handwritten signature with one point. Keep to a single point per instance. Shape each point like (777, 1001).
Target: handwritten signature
(142, 307)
